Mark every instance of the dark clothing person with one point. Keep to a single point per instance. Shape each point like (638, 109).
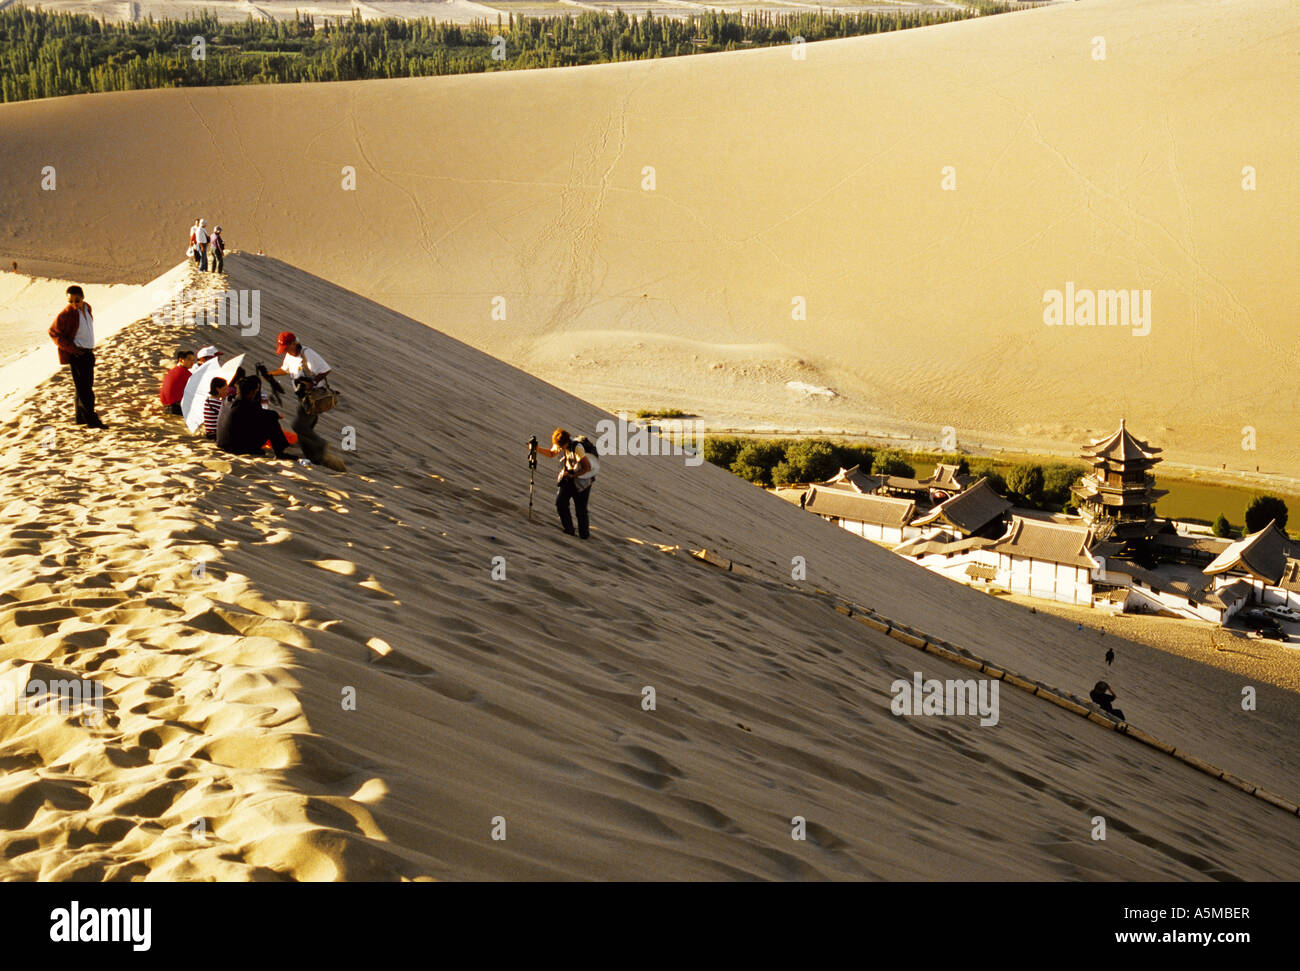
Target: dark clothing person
(217, 246)
(571, 489)
(83, 384)
(573, 482)
(244, 427)
(1103, 697)
(73, 334)
(1110, 657)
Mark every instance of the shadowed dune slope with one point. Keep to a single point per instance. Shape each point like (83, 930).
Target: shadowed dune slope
(774, 179)
(521, 697)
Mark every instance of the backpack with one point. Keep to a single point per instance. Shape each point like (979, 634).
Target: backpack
(593, 456)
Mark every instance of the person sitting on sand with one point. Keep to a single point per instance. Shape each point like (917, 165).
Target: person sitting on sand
(204, 355)
(244, 426)
(174, 381)
(212, 406)
(573, 484)
(1103, 697)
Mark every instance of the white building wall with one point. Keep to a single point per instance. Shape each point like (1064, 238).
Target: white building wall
(876, 532)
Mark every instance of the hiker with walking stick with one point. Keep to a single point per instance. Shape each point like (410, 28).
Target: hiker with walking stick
(579, 463)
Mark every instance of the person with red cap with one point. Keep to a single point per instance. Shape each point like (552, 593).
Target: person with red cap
(306, 367)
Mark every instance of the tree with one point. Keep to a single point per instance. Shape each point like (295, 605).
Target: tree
(756, 460)
(891, 462)
(1263, 509)
(1057, 479)
(811, 460)
(721, 451)
(1026, 483)
(1221, 527)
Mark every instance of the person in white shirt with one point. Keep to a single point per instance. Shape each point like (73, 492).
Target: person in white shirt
(574, 481)
(201, 241)
(306, 367)
(73, 332)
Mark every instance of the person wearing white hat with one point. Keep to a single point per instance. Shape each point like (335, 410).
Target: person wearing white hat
(205, 354)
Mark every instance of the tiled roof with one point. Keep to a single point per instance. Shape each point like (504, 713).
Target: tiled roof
(1049, 542)
(971, 511)
(854, 480)
(1262, 555)
(877, 510)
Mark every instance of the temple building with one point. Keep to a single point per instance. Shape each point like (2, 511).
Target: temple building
(1117, 499)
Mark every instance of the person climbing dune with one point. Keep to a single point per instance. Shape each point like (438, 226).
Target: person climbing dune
(573, 482)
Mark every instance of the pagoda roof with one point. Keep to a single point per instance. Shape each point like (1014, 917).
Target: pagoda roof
(1261, 555)
(1121, 446)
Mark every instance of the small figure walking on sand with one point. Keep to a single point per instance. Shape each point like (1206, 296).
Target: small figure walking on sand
(1110, 657)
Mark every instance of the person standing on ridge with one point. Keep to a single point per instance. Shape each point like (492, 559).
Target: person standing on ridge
(218, 251)
(73, 333)
(573, 483)
(201, 243)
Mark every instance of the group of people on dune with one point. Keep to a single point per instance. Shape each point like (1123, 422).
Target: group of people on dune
(237, 415)
(204, 244)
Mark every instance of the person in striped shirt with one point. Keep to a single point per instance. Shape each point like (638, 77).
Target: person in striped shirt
(212, 406)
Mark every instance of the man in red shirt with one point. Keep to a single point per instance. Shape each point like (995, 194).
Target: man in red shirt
(173, 383)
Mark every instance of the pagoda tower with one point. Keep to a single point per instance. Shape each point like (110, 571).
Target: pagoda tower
(1118, 497)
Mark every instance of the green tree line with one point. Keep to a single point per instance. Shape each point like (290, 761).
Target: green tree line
(46, 54)
(779, 462)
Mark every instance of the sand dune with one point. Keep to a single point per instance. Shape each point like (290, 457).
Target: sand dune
(775, 179)
(521, 697)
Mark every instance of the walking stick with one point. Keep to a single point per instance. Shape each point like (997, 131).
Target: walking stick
(532, 468)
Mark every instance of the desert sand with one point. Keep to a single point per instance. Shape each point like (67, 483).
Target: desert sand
(231, 606)
(774, 179)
